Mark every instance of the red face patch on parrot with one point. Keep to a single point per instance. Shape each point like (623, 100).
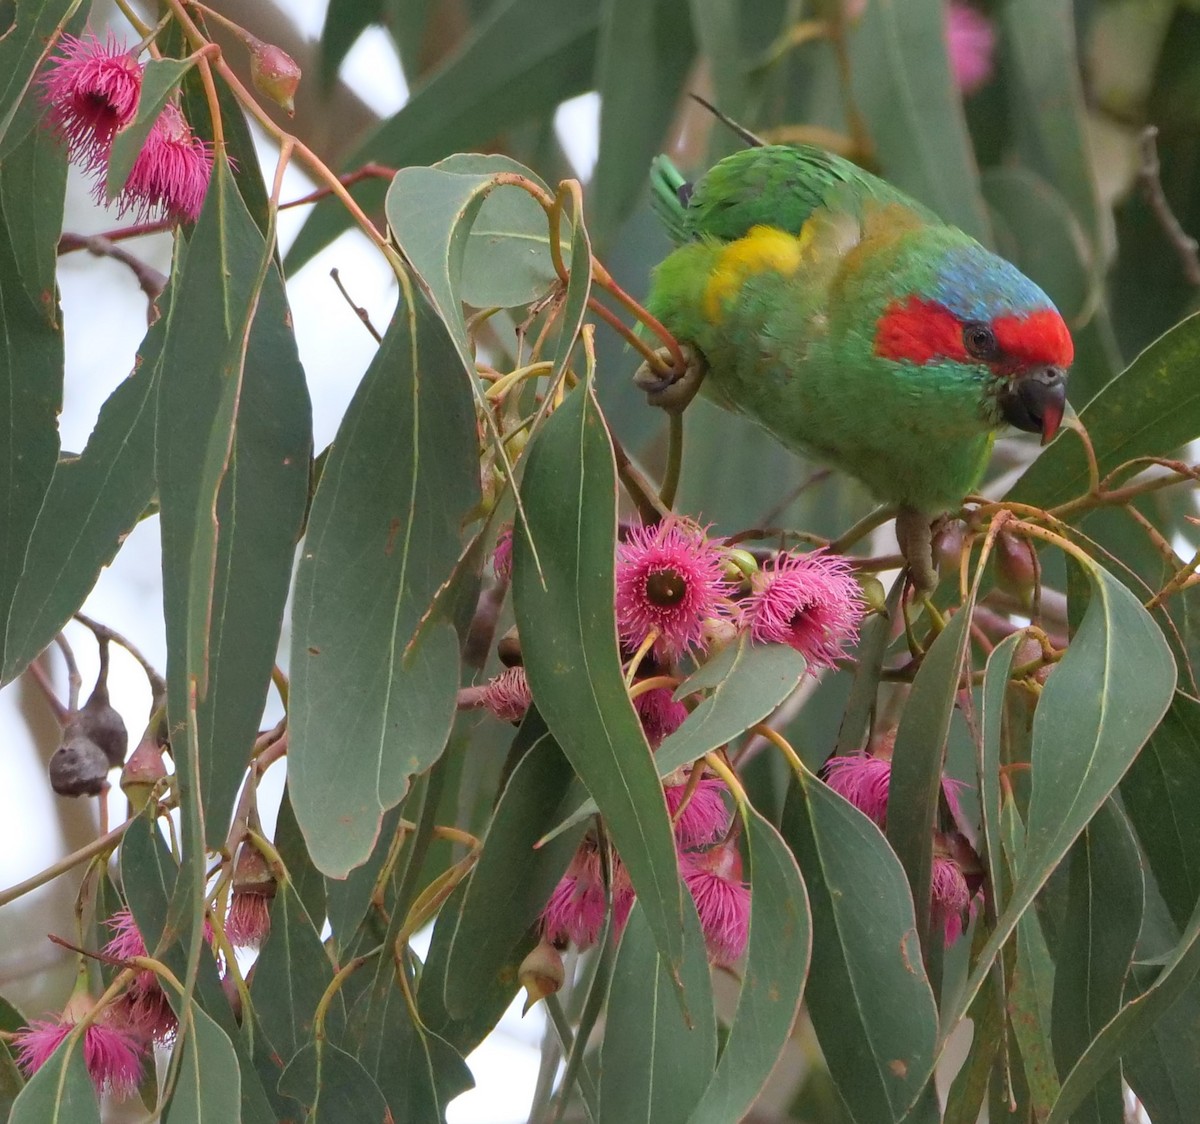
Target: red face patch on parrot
(920, 331)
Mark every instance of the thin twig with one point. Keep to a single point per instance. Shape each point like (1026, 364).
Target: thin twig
(149, 279)
(158, 685)
(359, 311)
(96, 847)
(38, 674)
(74, 680)
(1186, 247)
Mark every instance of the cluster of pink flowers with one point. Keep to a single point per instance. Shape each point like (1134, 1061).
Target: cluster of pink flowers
(863, 780)
(117, 1044)
(91, 92)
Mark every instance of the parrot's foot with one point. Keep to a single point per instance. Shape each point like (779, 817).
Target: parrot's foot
(915, 535)
(672, 391)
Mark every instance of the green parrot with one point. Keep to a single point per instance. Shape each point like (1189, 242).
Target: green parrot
(854, 325)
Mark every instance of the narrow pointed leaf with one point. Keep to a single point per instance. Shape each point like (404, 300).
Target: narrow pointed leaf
(868, 994)
(1096, 711)
(569, 643)
(918, 756)
(1096, 945)
(23, 45)
(773, 977)
(368, 709)
(199, 1098)
(160, 79)
(60, 1092)
(512, 880)
(656, 1060)
(333, 1086)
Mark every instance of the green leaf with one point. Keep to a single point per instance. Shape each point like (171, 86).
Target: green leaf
(646, 50)
(332, 1086)
(94, 500)
(33, 183)
(1150, 409)
(345, 21)
(1095, 944)
(290, 976)
(995, 688)
(1161, 1068)
(305, 878)
(506, 261)
(868, 994)
(717, 27)
(34, 29)
(432, 212)
(1097, 709)
(918, 757)
(512, 880)
(520, 61)
(656, 1058)
(776, 966)
(31, 373)
(160, 79)
(873, 642)
(901, 81)
(1032, 984)
(383, 535)
(60, 1092)
(748, 681)
(1131, 1023)
(1161, 793)
(209, 1087)
(1048, 108)
(569, 644)
(1050, 247)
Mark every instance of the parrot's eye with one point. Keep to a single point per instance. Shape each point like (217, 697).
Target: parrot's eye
(980, 341)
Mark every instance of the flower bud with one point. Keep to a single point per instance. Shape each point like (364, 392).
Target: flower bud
(142, 772)
(1016, 567)
(78, 767)
(275, 75)
(738, 565)
(541, 974)
(873, 593)
(947, 549)
(508, 648)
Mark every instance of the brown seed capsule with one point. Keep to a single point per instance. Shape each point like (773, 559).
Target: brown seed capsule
(101, 722)
(78, 767)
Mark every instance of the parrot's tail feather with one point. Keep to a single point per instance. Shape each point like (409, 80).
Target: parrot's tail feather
(752, 139)
(669, 195)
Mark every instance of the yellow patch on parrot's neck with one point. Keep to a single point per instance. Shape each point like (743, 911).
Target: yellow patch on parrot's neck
(763, 249)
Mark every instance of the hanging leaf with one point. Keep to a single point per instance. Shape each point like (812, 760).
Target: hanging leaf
(369, 707)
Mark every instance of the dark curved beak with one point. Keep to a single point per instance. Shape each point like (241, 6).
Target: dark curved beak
(1036, 402)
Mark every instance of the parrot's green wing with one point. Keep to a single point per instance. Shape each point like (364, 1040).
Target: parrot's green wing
(773, 185)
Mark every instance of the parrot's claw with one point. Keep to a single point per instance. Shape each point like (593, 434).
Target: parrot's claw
(915, 536)
(671, 391)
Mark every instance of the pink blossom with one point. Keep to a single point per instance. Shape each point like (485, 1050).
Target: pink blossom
(950, 897)
(144, 1006)
(722, 899)
(508, 696)
(502, 555)
(809, 601)
(170, 174)
(91, 90)
(705, 818)
(660, 714)
(669, 579)
(970, 43)
(577, 907)
(111, 1053)
(249, 919)
(863, 779)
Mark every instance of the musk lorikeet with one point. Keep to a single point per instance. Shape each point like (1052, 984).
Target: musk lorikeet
(854, 325)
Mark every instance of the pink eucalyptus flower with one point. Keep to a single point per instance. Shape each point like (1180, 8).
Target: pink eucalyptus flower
(669, 579)
(111, 1053)
(863, 779)
(576, 909)
(809, 601)
(249, 919)
(502, 556)
(970, 42)
(507, 696)
(660, 714)
(714, 879)
(950, 897)
(171, 172)
(91, 90)
(144, 1006)
(704, 819)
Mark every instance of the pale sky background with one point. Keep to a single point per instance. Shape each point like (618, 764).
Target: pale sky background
(104, 312)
